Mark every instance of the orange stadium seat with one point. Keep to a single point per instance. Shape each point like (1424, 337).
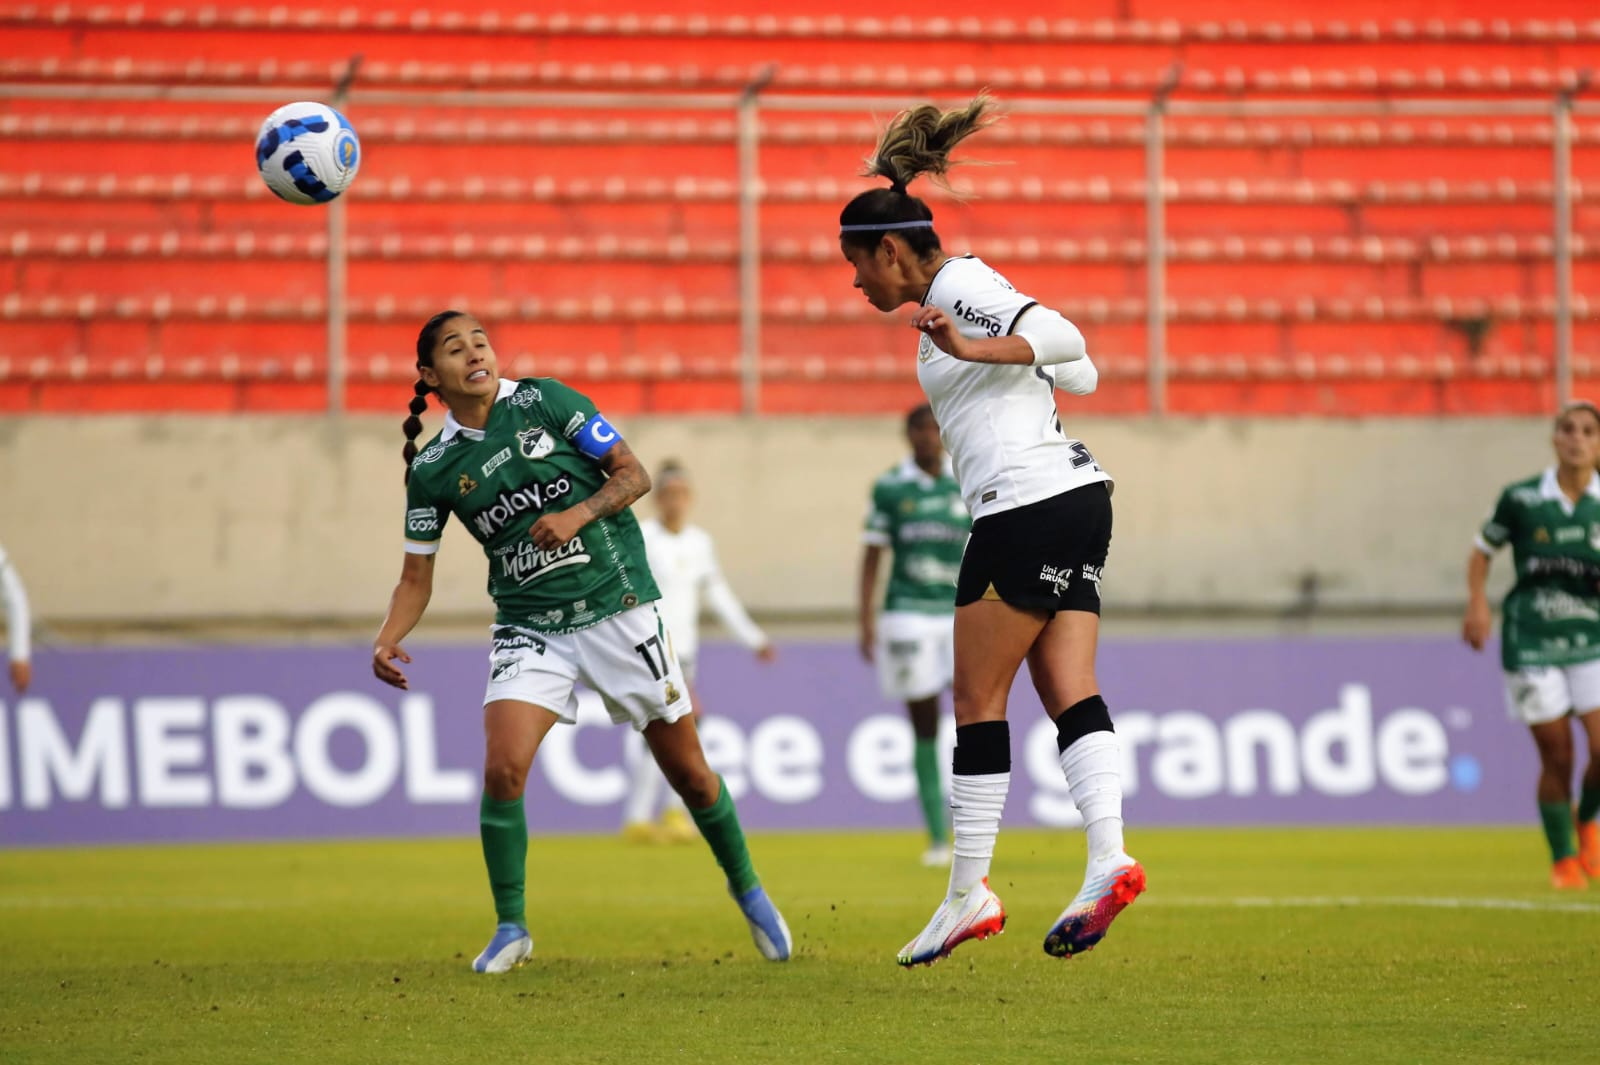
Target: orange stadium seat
(1337, 263)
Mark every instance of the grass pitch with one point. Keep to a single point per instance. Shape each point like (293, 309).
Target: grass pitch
(1308, 945)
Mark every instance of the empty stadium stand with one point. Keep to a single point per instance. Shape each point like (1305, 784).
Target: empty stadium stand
(574, 178)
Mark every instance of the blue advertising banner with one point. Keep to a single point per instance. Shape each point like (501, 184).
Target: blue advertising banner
(291, 742)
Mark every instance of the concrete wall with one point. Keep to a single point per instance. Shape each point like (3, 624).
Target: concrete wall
(144, 517)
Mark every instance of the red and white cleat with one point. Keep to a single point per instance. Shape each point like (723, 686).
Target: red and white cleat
(973, 914)
(1109, 887)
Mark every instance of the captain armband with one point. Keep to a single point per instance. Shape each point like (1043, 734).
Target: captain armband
(1054, 340)
(596, 438)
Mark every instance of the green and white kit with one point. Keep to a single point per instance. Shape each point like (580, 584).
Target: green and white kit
(583, 611)
(1550, 630)
(924, 523)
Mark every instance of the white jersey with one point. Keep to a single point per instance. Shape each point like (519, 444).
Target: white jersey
(684, 564)
(999, 422)
(19, 625)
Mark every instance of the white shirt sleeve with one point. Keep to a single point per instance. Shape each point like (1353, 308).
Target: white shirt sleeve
(1078, 377)
(726, 605)
(1054, 340)
(978, 300)
(19, 623)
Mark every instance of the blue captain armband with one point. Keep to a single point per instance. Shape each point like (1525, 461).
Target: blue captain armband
(596, 438)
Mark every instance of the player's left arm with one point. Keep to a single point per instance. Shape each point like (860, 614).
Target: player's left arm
(1038, 337)
(725, 604)
(627, 481)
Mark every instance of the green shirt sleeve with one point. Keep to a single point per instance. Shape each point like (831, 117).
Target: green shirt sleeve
(880, 518)
(1501, 526)
(425, 517)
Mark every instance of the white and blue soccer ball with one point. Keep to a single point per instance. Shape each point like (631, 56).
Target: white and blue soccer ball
(307, 152)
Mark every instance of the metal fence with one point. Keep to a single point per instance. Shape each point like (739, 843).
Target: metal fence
(748, 105)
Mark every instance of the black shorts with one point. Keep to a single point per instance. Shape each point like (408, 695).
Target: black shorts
(1044, 556)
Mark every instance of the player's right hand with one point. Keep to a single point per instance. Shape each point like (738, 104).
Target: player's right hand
(21, 675)
(383, 657)
(1476, 625)
(869, 643)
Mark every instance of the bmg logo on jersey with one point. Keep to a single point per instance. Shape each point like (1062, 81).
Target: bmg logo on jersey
(987, 322)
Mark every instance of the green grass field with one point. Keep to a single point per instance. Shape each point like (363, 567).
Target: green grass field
(1251, 946)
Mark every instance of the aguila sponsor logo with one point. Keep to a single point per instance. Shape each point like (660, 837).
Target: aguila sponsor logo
(529, 562)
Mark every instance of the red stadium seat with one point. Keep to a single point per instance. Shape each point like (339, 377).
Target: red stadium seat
(1310, 257)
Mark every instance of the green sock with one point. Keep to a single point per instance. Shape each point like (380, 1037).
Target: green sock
(503, 827)
(929, 790)
(719, 824)
(1588, 804)
(1557, 818)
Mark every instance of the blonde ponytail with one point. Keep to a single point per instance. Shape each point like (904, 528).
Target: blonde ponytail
(919, 141)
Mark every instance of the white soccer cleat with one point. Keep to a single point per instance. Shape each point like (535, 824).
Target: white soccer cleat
(937, 856)
(508, 949)
(976, 913)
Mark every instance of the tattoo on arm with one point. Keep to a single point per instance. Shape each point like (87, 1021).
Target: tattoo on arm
(626, 482)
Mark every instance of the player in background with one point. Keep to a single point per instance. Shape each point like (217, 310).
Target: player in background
(683, 560)
(918, 516)
(19, 624)
(1029, 586)
(1550, 630)
(544, 483)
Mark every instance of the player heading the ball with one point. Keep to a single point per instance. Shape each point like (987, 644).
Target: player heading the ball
(1029, 583)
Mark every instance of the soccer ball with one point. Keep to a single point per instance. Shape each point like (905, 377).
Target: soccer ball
(307, 153)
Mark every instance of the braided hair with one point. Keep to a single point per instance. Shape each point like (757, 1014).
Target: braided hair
(915, 142)
(426, 340)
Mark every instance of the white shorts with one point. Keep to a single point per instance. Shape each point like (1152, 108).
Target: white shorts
(916, 654)
(626, 659)
(1539, 694)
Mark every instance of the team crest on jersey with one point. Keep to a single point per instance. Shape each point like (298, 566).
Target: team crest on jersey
(466, 483)
(925, 348)
(535, 442)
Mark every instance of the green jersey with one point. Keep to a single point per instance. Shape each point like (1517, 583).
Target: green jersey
(539, 450)
(924, 522)
(1552, 613)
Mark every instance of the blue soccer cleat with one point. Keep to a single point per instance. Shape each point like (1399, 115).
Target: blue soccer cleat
(767, 926)
(508, 949)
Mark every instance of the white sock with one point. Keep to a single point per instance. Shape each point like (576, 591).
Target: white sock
(645, 786)
(976, 803)
(1093, 768)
